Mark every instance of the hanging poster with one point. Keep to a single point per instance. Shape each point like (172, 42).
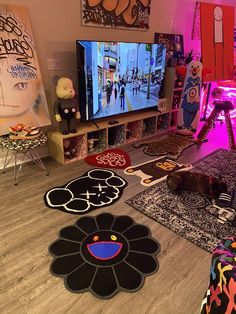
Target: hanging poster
(22, 97)
(217, 40)
(133, 14)
(234, 45)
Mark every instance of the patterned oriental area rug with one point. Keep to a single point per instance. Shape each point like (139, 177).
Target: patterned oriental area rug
(170, 145)
(188, 214)
(104, 254)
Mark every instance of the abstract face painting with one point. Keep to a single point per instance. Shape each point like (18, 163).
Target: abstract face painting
(22, 97)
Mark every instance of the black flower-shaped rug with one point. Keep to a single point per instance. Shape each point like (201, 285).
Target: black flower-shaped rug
(104, 254)
(94, 189)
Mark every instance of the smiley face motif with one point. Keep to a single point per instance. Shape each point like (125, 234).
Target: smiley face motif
(104, 248)
(104, 254)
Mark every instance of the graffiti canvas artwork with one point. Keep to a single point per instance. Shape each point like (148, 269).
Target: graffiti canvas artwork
(132, 14)
(22, 97)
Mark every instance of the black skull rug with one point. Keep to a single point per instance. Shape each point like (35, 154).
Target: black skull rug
(94, 189)
(104, 254)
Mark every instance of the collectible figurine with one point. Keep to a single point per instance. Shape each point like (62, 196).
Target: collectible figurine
(70, 148)
(66, 109)
(189, 110)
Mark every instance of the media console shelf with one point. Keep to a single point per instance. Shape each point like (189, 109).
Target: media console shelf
(90, 140)
(129, 128)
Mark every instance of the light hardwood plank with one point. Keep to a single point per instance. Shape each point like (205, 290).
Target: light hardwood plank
(28, 227)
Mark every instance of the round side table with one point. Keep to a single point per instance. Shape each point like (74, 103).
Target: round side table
(23, 148)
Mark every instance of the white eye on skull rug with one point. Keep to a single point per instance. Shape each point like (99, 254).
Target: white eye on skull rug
(94, 189)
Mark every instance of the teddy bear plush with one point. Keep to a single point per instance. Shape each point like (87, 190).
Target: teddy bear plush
(66, 109)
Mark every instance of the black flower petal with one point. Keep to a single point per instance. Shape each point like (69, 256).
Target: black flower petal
(145, 245)
(104, 283)
(77, 281)
(72, 233)
(136, 232)
(66, 264)
(63, 247)
(122, 223)
(87, 224)
(142, 262)
(104, 221)
(128, 278)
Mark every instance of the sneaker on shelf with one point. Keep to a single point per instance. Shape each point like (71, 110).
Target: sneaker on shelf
(23, 132)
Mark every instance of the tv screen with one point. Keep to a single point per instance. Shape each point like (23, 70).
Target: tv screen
(118, 77)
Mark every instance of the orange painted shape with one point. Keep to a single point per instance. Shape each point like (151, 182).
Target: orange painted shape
(94, 3)
(109, 5)
(122, 6)
(130, 15)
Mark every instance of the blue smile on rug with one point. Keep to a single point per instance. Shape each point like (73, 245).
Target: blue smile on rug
(104, 250)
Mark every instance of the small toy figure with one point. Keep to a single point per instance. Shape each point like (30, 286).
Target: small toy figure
(70, 148)
(66, 109)
(91, 142)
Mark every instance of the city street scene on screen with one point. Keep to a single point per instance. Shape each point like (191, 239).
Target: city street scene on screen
(121, 77)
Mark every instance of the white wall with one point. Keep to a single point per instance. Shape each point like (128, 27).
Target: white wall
(56, 24)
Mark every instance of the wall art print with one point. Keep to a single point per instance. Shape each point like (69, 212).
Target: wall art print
(217, 40)
(174, 43)
(22, 97)
(133, 14)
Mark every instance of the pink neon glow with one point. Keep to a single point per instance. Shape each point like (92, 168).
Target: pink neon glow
(229, 93)
(227, 89)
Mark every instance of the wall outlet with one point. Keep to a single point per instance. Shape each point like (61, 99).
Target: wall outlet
(53, 64)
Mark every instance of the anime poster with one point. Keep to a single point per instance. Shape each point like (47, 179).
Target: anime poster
(132, 14)
(217, 40)
(22, 97)
(174, 43)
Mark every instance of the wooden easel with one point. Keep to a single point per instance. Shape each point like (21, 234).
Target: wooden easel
(224, 106)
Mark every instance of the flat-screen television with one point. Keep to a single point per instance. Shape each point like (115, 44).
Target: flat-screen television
(118, 77)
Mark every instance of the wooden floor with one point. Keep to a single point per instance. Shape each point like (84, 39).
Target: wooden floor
(28, 227)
